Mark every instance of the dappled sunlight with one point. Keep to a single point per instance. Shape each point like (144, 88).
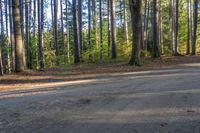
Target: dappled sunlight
(159, 93)
(151, 112)
(191, 64)
(45, 88)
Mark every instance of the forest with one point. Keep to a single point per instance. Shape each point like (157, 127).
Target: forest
(38, 34)
(99, 66)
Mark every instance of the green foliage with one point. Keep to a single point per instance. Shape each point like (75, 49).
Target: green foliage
(34, 51)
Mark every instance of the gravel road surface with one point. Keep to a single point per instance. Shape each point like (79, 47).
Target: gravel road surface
(158, 101)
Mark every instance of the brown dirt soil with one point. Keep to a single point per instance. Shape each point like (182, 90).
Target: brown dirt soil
(30, 78)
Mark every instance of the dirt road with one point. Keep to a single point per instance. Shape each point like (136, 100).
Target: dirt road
(158, 101)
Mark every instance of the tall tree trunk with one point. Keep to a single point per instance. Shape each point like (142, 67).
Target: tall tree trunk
(7, 39)
(161, 28)
(156, 51)
(94, 19)
(113, 30)
(67, 30)
(27, 33)
(108, 10)
(2, 41)
(52, 12)
(19, 50)
(40, 33)
(75, 26)
(56, 31)
(176, 27)
(62, 25)
(80, 4)
(89, 23)
(101, 28)
(171, 19)
(22, 18)
(121, 12)
(146, 25)
(125, 23)
(188, 26)
(35, 17)
(135, 10)
(1, 64)
(195, 24)
(12, 38)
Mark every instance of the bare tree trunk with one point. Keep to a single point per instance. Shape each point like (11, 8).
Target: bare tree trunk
(62, 25)
(94, 19)
(160, 27)
(35, 17)
(113, 30)
(22, 17)
(40, 33)
(1, 64)
(19, 50)
(176, 26)
(89, 23)
(120, 12)
(67, 30)
(7, 39)
(171, 19)
(146, 25)
(75, 26)
(125, 23)
(80, 2)
(108, 10)
(188, 27)
(135, 9)
(12, 39)
(56, 31)
(195, 24)
(101, 28)
(2, 42)
(156, 51)
(27, 33)
(52, 12)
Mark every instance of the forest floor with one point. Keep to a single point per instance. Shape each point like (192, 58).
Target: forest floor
(55, 76)
(119, 99)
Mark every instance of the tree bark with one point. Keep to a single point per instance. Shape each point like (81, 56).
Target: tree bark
(19, 50)
(125, 23)
(35, 17)
(2, 41)
(135, 10)
(113, 30)
(176, 26)
(101, 28)
(7, 38)
(108, 11)
(89, 23)
(195, 24)
(188, 27)
(75, 27)
(94, 19)
(80, 2)
(62, 25)
(56, 31)
(12, 38)
(67, 30)
(40, 33)
(156, 51)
